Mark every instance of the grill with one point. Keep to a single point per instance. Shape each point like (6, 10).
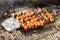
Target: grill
(37, 33)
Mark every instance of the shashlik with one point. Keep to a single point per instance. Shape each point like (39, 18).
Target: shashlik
(30, 20)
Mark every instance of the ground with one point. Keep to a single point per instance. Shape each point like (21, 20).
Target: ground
(48, 32)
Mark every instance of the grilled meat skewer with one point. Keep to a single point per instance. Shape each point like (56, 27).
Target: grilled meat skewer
(31, 21)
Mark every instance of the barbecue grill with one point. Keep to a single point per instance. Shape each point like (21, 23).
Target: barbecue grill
(9, 6)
